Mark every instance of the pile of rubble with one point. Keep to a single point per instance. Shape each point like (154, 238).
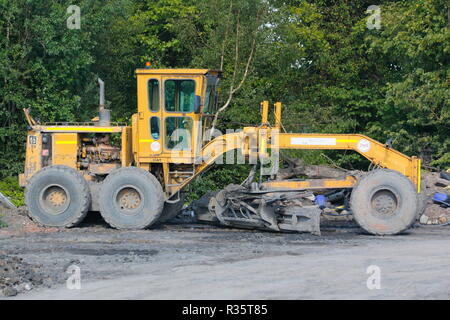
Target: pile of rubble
(435, 213)
(18, 222)
(18, 276)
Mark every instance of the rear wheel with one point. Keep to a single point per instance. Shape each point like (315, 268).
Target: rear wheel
(131, 198)
(57, 196)
(384, 202)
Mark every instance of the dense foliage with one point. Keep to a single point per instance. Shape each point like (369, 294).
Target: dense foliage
(318, 57)
(11, 189)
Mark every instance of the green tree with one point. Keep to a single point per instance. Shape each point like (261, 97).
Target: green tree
(411, 53)
(52, 69)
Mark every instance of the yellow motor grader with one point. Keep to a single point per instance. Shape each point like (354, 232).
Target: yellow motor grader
(134, 174)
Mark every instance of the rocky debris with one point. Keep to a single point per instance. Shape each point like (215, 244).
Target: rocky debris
(332, 215)
(434, 182)
(18, 222)
(442, 183)
(296, 167)
(435, 213)
(17, 276)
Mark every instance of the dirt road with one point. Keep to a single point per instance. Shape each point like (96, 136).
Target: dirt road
(204, 262)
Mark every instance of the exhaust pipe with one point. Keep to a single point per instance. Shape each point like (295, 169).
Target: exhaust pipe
(102, 94)
(104, 114)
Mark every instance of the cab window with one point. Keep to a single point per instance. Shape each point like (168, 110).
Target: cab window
(178, 133)
(179, 95)
(210, 97)
(153, 94)
(154, 127)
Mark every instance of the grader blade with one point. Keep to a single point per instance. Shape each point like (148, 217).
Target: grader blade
(273, 210)
(267, 213)
(301, 219)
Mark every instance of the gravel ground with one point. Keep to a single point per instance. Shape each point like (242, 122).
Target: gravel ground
(193, 261)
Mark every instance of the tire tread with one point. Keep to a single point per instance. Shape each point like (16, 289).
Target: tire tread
(86, 195)
(154, 181)
(368, 176)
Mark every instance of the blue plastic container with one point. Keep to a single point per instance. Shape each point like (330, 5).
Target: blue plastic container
(442, 198)
(321, 201)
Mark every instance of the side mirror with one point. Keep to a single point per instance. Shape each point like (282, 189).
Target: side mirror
(197, 104)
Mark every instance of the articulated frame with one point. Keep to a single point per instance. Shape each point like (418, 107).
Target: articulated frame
(254, 142)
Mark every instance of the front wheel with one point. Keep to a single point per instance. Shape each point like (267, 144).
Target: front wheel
(384, 202)
(131, 198)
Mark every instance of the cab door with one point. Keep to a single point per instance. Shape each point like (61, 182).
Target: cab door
(150, 115)
(180, 121)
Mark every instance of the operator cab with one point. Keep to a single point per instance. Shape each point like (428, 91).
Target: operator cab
(175, 108)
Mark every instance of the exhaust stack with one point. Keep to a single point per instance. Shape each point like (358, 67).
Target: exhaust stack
(104, 114)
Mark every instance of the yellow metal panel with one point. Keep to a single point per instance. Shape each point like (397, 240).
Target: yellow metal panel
(135, 136)
(373, 150)
(214, 149)
(65, 147)
(264, 112)
(127, 147)
(33, 156)
(147, 147)
(348, 182)
(172, 71)
(80, 129)
(278, 115)
(144, 138)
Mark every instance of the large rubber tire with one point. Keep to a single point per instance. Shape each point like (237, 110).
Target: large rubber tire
(144, 191)
(384, 202)
(45, 194)
(422, 199)
(171, 210)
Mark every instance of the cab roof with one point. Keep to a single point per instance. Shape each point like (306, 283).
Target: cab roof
(179, 71)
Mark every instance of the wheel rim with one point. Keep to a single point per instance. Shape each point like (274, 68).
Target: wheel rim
(54, 199)
(384, 203)
(128, 199)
